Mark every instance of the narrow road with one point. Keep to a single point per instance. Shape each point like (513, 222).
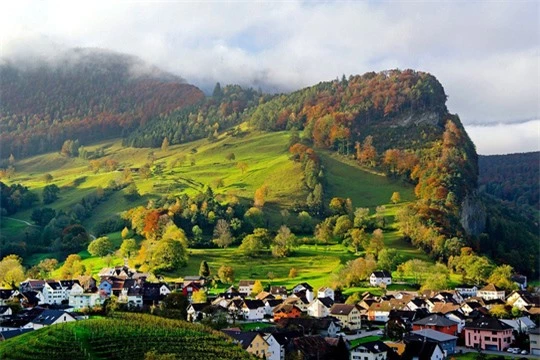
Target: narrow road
(21, 221)
(503, 353)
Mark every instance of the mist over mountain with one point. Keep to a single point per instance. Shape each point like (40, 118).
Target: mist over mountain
(84, 94)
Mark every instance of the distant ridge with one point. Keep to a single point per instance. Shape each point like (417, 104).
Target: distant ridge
(84, 94)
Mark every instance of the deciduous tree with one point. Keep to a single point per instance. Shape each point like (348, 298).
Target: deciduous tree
(226, 274)
(100, 247)
(222, 234)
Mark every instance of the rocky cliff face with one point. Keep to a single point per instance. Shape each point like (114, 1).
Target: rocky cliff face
(473, 215)
(425, 118)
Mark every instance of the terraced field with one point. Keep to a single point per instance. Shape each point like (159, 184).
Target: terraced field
(125, 336)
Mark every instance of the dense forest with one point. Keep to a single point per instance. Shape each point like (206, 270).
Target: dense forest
(87, 95)
(225, 108)
(513, 178)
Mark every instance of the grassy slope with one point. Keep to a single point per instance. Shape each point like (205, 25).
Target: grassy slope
(128, 337)
(268, 160)
(265, 153)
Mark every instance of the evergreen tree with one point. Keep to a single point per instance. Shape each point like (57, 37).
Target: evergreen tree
(204, 269)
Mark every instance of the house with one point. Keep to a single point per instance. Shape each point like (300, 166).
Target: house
(348, 315)
(373, 350)
(304, 290)
(467, 290)
(325, 292)
(6, 295)
(51, 317)
(437, 322)
(29, 299)
(520, 280)
(311, 347)
(195, 311)
(270, 304)
(279, 291)
(105, 288)
(88, 283)
(264, 295)
(491, 292)
(327, 327)
(380, 277)
(15, 324)
(301, 287)
(67, 285)
(444, 308)
(400, 321)
(534, 341)
(447, 342)
(487, 333)
(78, 299)
(190, 288)
(200, 280)
(153, 293)
(380, 311)
(253, 310)
(246, 287)
(286, 311)
(417, 303)
(31, 285)
(320, 307)
(54, 293)
(523, 299)
(420, 350)
(521, 324)
(276, 346)
(458, 317)
(469, 306)
(301, 302)
(5, 311)
(8, 334)
(133, 297)
(253, 342)
(450, 296)
(121, 272)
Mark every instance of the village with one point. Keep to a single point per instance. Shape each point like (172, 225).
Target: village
(279, 323)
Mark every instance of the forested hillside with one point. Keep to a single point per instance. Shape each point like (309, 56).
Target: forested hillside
(513, 178)
(85, 94)
(393, 123)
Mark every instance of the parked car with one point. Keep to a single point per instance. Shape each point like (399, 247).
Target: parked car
(524, 352)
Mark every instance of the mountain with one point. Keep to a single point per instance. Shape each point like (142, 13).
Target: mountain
(84, 94)
(394, 124)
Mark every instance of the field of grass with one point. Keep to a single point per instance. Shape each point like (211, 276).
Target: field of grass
(315, 264)
(198, 164)
(346, 179)
(125, 336)
(364, 340)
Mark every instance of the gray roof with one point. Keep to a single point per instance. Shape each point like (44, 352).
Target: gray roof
(436, 320)
(374, 347)
(48, 317)
(12, 333)
(434, 335)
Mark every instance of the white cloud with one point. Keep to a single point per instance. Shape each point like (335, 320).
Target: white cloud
(484, 53)
(505, 138)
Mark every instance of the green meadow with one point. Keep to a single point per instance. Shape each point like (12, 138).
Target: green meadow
(189, 168)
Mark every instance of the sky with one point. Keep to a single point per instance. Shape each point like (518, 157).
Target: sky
(485, 53)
